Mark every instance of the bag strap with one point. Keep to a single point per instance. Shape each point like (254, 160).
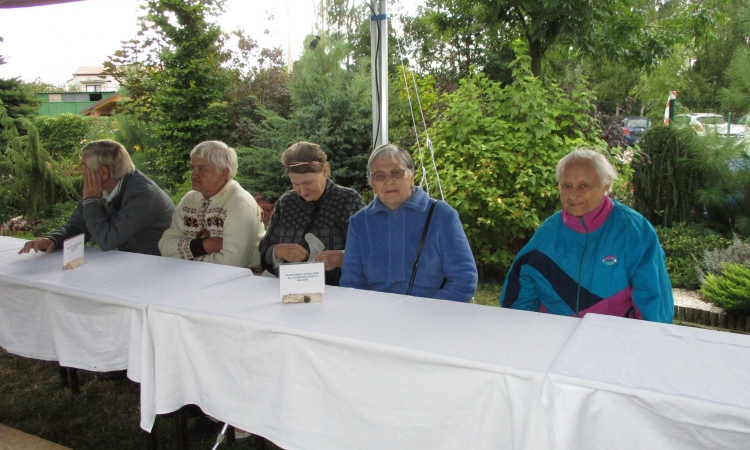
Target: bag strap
(421, 245)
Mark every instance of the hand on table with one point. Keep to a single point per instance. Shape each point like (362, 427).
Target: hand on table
(290, 252)
(43, 244)
(92, 184)
(332, 259)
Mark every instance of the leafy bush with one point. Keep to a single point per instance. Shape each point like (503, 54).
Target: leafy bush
(63, 136)
(664, 188)
(497, 147)
(714, 260)
(681, 244)
(57, 215)
(731, 290)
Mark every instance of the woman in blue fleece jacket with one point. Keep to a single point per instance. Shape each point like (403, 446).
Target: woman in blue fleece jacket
(594, 256)
(384, 237)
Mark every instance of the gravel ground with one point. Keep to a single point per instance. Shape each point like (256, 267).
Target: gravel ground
(693, 299)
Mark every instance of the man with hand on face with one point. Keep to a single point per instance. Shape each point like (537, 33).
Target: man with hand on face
(121, 208)
(218, 221)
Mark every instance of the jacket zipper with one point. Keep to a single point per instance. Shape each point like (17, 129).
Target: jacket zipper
(580, 264)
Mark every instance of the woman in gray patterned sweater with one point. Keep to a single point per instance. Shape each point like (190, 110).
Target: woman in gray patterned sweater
(316, 205)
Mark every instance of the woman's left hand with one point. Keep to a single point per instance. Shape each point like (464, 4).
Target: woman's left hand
(331, 258)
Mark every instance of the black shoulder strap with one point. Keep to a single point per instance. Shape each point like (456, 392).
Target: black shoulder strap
(421, 245)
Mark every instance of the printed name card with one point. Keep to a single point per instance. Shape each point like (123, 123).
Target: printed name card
(73, 252)
(302, 283)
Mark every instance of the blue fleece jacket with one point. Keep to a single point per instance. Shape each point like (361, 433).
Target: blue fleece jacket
(382, 244)
(613, 265)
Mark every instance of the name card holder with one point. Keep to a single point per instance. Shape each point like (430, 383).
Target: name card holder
(302, 282)
(73, 252)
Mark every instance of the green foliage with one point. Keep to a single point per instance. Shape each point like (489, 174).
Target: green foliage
(714, 260)
(683, 244)
(260, 171)
(55, 216)
(496, 149)
(731, 290)
(189, 106)
(665, 189)
(724, 165)
(736, 96)
(63, 135)
(30, 171)
(332, 107)
(18, 99)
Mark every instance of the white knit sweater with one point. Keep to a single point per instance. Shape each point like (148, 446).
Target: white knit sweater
(232, 214)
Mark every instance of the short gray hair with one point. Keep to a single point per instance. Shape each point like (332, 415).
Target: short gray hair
(217, 153)
(588, 155)
(386, 150)
(109, 154)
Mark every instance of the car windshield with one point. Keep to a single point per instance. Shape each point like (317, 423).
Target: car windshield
(712, 120)
(641, 122)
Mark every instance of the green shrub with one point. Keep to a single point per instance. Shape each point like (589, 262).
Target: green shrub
(731, 290)
(681, 244)
(63, 136)
(714, 260)
(497, 147)
(665, 188)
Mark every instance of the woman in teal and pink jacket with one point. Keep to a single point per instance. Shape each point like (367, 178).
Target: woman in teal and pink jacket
(596, 255)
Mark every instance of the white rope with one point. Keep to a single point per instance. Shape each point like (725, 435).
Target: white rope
(428, 141)
(424, 183)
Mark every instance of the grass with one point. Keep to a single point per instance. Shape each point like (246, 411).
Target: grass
(488, 294)
(103, 416)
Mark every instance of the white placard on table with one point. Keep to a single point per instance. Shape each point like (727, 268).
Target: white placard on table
(73, 252)
(302, 283)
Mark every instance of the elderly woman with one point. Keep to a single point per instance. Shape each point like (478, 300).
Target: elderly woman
(596, 255)
(391, 233)
(316, 205)
(218, 221)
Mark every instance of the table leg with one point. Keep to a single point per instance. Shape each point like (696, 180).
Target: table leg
(63, 377)
(73, 377)
(181, 428)
(151, 438)
(230, 435)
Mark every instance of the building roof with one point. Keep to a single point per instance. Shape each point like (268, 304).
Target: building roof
(103, 107)
(87, 70)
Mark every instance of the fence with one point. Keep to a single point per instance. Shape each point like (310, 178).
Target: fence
(735, 322)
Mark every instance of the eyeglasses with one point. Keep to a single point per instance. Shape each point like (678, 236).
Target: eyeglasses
(396, 174)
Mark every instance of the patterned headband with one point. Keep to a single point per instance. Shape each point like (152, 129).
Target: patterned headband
(296, 164)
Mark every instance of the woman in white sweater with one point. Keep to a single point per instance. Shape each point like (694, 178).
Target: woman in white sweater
(218, 221)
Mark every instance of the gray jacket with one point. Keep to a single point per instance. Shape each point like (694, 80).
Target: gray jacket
(133, 222)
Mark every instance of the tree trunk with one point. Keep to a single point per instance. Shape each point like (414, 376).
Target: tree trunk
(536, 52)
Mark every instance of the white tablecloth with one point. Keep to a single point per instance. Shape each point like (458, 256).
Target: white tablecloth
(628, 384)
(90, 317)
(361, 370)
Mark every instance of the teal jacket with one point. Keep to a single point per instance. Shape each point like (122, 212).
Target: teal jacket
(607, 262)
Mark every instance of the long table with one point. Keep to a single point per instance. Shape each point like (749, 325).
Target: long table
(628, 384)
(90, 317)
(360, 370)
(368, 370)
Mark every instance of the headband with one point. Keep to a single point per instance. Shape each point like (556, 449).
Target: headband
(295, 164)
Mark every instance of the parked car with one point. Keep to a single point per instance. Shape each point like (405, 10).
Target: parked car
(633, 128)
(704, 122)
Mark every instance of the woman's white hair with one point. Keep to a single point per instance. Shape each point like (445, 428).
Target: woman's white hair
(588, 155)
(109, 154)
(217, 153)
(390, 150)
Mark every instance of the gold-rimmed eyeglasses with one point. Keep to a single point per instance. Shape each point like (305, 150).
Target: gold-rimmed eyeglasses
(396, 174)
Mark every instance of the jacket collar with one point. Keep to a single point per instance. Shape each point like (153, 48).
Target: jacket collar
(592, 220)
(419, 201)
